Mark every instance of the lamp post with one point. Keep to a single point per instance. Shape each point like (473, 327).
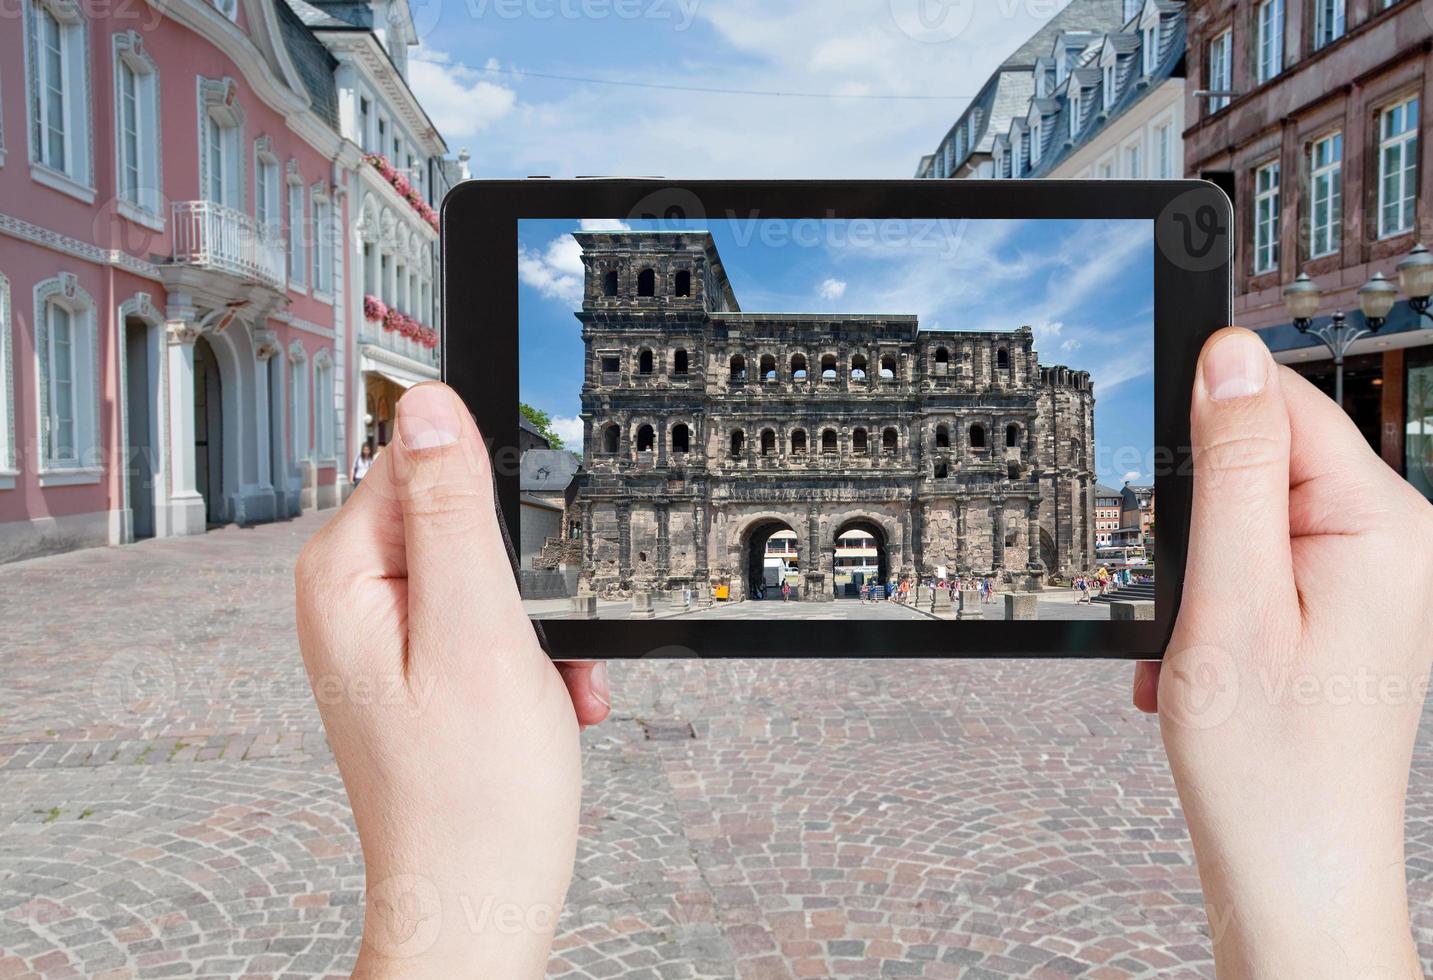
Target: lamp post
(1375, 298)
(1415, 278)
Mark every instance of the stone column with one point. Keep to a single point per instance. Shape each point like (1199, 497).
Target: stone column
(266, 345)
(997, 533)
(1032, 524)
(624, 542)
(664, 546)
(186, 506)
(962, 554)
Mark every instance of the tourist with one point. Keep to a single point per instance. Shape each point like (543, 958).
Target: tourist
(785, 591)
(362, 463)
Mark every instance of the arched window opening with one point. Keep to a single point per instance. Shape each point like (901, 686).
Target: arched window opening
(646, 283)
(1075, 450)
(888, 367)
(683, 285)
(1012, 470)
(644, 362)
(768, 367)
(609, 284)
(646, 439)
(858, 442)
(611, 436)
(828, 367)
(798, 442)
(942, 361)
(679, 361)
(798, 367)
(681, 438)
(738, 443)
(977, 436)
(738, 368)
(768, 442)
(828, 441)
(1012, 436)
(941, 471)
(1002, 358)
(888, 442)
(942, 436)
(858, 367)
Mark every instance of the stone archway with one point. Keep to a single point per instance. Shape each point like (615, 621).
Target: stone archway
(1047, 552)
(770, 555)
(860, 552)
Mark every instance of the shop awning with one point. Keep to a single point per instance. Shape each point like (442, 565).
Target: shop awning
(400, 381)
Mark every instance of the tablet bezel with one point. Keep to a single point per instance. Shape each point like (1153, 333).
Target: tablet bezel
(1193, 297)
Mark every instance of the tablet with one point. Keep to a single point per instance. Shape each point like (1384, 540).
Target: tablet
(838, 418)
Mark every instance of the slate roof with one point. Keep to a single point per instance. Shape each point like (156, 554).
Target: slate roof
(312, 60)
(546, 470)
(1104, 491)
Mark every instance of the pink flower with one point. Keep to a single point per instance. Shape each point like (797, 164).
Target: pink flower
(374, 308)
(392, 319)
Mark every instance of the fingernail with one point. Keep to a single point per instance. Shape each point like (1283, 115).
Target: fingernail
(426, 419)
(1236, 367)
(600, 685)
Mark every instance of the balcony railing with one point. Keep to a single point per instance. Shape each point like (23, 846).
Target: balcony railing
(215, 236)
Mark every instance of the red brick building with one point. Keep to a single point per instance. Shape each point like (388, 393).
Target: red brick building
(1311, 114)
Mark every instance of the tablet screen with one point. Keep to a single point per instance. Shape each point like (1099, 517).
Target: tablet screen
(837, 419)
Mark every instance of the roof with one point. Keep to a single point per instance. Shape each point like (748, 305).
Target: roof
(1101, 490)
(314, 64)
(547, 470)
(1078, 15)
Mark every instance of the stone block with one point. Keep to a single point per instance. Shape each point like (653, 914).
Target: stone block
(940, 601)
(642, 605)
(1020, 605)
(584, 607)
(970, 605)
(1131, 609)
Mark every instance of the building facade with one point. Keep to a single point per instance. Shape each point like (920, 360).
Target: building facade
(708, 431)
(1313, 123)
(178, 310)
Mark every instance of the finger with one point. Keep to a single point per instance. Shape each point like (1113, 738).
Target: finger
(1337, 483)
(1239, 530)
(460, 585)
(1146, 686)
(588, 686)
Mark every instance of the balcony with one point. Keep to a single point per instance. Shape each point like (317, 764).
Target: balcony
(221, 239)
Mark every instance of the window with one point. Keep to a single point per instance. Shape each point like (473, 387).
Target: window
(798, 367)
(646, 283)
(1132, 161)
(1163, 150)
(888, 367)
(1149, 47)
(683, 284)
(858, 367)
(1269, 51)
(858, 442)
(646, 438)
(1266, 218)
(266, 199)
(1035, 144)
(942, 436)
(644, 362)
(1074, 113)
(1024, 161)
(1012, 436)
(1107, 169)
(609, 284)
(681, 438)
(323, 405)
(679, 362)
(1328, 22)
(365, 138)
(768, 442)
(322, 245)
(611, 436)
(382, 133)
(298, 397)
(1221, 65)
(1397, 167)
(738, 443)
(1108, 84)
(59, 87)
(1002, 359)
(65, 348)
(942, 361)
(297, 253)
(828, 441)
(738, 368)
(1325, 195)
(220, 157)
(828, 367)
(370, 274)
(768, 367)
(798, 442)
(888, 442)
(977, 436)
(136, 128)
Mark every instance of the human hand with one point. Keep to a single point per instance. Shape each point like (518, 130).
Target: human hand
(1290, 695)
(455, 734)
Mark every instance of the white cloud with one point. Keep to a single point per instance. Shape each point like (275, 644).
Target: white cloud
(569, 430)
(605, 224)
(461, 101)
(555, 271)
(832, 289)
(1130, 477)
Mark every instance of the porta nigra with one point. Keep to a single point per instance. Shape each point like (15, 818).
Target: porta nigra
(707, 429)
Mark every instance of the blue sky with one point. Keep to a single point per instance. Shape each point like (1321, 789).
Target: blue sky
(1084, 287)
(478, 71)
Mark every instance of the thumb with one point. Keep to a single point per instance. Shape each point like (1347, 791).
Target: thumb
(1239, 530)
(460, 584)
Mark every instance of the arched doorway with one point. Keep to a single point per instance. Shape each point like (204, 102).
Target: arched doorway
(772, 558)
(209, 433)
(1047, 551)
(861, 556)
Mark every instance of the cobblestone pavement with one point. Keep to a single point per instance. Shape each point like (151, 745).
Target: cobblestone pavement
(169, 807)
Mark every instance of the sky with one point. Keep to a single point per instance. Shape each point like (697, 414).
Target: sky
(1085, 287)
(482, 70)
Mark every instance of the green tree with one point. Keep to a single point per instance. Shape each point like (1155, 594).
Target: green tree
(542, 422)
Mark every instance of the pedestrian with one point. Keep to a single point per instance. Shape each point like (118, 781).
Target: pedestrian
(865, 592)
(785, 591)
(363, 462)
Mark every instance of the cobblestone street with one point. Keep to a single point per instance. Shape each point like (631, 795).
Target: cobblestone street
(169, 806)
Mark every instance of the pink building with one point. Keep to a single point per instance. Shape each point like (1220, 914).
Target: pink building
(181, 279)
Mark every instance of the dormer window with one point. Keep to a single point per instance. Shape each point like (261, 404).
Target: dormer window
(1150, 47)
(1034, 144)
(1109, 85)
(1074, 110)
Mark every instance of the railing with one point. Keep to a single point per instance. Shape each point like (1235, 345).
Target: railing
(215, 236)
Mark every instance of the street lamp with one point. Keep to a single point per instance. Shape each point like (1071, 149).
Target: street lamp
(1375, 299)
(1415, 278)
